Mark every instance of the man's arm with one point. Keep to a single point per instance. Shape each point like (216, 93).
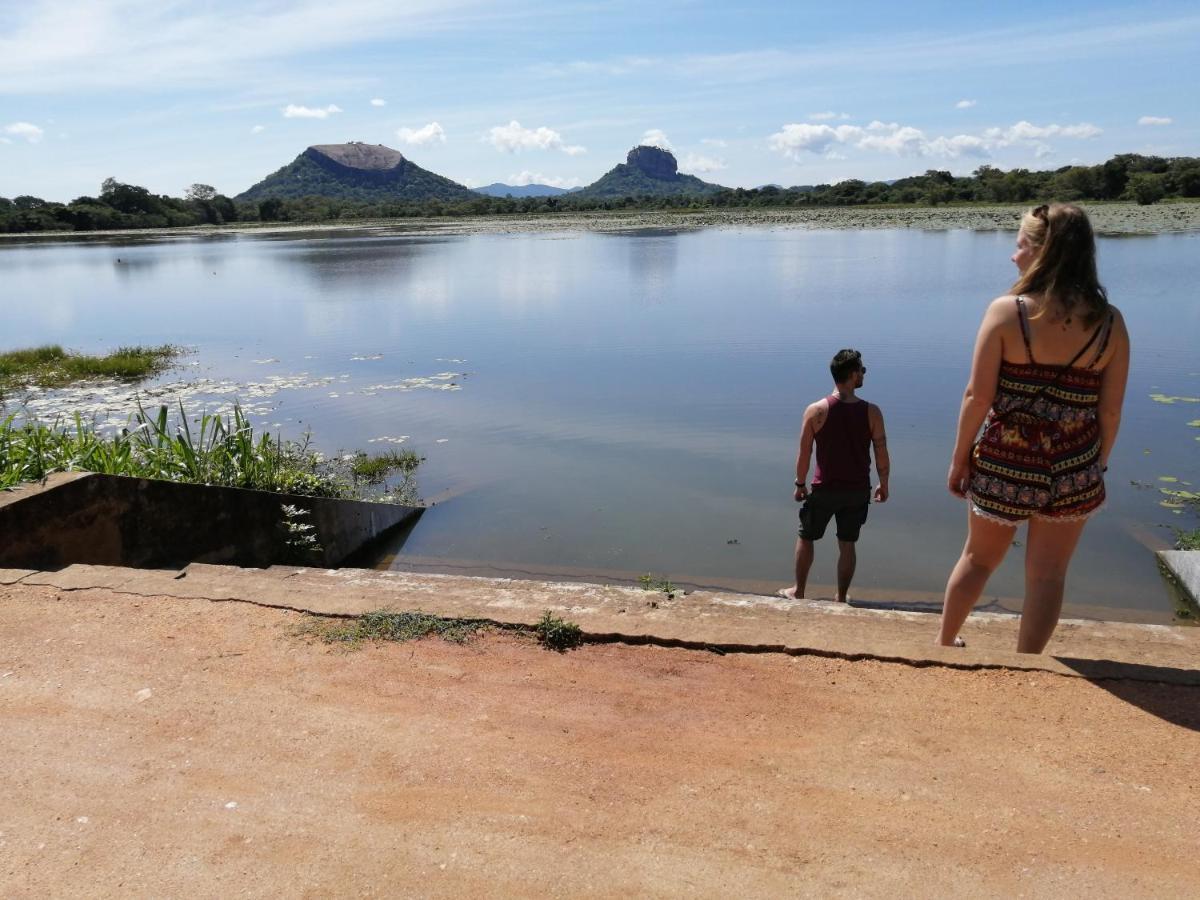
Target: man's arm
(814, 418)
(883, 462)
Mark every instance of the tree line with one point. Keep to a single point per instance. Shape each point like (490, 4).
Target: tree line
(1129, 176)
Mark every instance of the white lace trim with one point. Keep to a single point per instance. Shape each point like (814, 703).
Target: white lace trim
(1042, 517)
(992, 517)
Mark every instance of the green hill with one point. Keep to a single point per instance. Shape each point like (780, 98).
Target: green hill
(647, 171)
(368, 173)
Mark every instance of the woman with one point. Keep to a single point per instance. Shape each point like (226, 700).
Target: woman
(1048, 374)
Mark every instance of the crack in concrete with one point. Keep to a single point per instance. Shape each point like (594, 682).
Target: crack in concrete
(633, 640)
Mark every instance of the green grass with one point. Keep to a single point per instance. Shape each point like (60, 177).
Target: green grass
(385, 625)
(1188, 540)
(211, 449)
(52, 366)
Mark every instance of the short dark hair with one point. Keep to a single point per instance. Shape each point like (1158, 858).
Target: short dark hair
(845, 363)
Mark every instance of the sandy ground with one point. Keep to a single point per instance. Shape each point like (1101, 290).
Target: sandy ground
(157, 747)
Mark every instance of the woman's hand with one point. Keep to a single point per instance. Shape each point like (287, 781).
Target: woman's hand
(958, 478)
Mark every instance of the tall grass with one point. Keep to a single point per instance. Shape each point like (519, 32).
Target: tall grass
(218, 451)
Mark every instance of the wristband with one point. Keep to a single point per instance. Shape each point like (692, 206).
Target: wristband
(799, 484)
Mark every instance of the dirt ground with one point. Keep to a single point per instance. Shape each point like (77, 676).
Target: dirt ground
(191, 748)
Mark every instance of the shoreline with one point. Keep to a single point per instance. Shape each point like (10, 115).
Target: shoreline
(1109, 219)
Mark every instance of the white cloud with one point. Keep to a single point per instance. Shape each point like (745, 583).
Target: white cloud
(527, 177)
(696, 164)
(292, 111)
(258, 129)
(655, 137)
(965, 104)
(1155, 120)
(426, 134)
(513, 137)
(26, 130)
(797, 139)
(714, 142)
(827, 116)
(379, 101)
(1027, 131)
(57, 46)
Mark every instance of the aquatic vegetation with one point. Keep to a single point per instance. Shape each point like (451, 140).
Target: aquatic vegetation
(374, 469)
(1170, 400)
(52, 366)
(219, 450)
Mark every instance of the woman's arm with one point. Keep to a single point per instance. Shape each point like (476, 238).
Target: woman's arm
(1112, 388)
(980, 392)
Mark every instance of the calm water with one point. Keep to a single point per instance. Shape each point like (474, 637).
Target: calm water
(629, 403)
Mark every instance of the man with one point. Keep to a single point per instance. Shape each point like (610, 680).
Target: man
(844, 428)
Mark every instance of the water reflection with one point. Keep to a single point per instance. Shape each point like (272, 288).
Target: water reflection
(632, 400)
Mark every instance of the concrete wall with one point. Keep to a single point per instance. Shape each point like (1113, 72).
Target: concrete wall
(114, 520)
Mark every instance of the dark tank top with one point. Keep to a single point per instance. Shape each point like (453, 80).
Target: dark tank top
(844, 447)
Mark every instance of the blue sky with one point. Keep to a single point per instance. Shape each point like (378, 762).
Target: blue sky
(164, 94)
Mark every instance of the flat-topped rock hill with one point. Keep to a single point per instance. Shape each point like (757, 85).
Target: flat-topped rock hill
(647, 171)
(370, 173)
(356, 155)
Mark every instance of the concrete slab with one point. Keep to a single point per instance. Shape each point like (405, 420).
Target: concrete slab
(723, 622)
(12, 576)
(1184, 567)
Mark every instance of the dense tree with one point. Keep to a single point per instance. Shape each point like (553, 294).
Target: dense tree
(1146, 188)
(200, 191)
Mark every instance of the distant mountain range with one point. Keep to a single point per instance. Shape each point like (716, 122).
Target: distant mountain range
(647, 171)
(368, 173)
(499, 189)
(373, 173)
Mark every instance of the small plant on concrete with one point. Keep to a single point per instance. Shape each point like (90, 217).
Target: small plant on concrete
(557, 634)
(650, 583)
(300, 536)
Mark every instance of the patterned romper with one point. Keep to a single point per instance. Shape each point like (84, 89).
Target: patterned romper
(1044, 459)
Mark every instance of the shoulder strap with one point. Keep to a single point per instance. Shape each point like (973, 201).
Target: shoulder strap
(1024, 327)
(1106, 325)
(1083, 350)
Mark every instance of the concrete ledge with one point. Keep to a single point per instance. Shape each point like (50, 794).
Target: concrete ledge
(715, 621)
(114, 520)
(1181, 571)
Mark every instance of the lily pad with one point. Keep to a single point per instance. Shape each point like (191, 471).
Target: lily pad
(1167, 478)
(1165, 398)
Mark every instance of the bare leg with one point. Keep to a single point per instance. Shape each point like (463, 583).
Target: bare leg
(804, 561)
(1051, 545)
(847, 560)
(987, 542)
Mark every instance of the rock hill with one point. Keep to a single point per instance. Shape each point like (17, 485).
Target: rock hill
(370, 173)
(647, 171)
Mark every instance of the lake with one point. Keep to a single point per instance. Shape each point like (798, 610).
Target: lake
(601, 405)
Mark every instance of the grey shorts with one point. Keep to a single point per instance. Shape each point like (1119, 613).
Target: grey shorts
(821, 505)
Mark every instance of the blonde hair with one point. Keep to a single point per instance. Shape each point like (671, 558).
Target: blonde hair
(1063, 270)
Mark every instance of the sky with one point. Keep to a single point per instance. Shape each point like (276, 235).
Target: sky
(165, 93)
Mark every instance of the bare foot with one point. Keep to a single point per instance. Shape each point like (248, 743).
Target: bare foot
(787, 593)
(837, 599)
